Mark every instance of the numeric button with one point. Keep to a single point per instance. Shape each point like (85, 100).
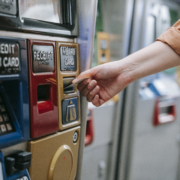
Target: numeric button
(1, 119)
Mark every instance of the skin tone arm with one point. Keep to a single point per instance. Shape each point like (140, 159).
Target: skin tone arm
(109, 79)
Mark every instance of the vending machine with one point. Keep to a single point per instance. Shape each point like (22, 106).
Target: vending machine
(44, 45)
(149, 147)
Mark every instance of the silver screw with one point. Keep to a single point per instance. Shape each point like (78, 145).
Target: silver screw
(75, 137)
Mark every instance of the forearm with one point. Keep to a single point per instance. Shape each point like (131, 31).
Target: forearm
(152, 59)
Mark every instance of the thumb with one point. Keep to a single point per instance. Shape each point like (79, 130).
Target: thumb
(86, 74)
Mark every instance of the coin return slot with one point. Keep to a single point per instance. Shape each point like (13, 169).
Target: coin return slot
(66, 82)
(43, 98)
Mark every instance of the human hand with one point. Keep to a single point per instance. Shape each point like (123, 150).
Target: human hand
(106, 81)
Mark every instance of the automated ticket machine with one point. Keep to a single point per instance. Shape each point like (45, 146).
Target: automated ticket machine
(44, 45)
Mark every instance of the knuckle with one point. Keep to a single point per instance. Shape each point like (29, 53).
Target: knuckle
(88, 99)
(91, 93)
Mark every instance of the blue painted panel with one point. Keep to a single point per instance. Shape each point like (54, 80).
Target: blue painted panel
(22, 175)
(14, 88)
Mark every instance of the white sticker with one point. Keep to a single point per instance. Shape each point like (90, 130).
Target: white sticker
(9, 127)
(3, 128)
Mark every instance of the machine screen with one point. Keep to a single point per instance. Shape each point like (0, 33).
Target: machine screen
(43, 10)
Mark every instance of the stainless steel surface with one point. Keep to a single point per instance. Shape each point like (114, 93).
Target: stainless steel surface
(155, 149)
(117, 19)
(137, 153)
(11, 149)
(8, 7)
(21, 24)
(103, 123)
(34, 36)
(1, 172)
(87, 20)
(95, 158)
(117, 16)
(35, 10)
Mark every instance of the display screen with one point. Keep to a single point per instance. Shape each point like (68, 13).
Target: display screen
(43, 10)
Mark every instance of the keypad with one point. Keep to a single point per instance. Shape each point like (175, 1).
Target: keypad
(23, 178)
(6, 125)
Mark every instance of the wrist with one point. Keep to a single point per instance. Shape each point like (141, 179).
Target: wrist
(127, 70)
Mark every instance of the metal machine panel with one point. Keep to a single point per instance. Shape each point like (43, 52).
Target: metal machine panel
(14, 105)
(68, 101)
(16, 26)
(155, 150)
(97, 166)
(145, 150)
(43, 87)
(55, 157)
(87, 19)
(102, 126)
(57, 17)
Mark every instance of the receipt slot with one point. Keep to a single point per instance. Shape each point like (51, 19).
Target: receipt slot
(43, 88)
(14, 96)
(55, 157)
(67, 70)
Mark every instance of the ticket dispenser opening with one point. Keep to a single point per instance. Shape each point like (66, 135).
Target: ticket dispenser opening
(44, 101)
(43, 88)
(14, 96)
(66, 82)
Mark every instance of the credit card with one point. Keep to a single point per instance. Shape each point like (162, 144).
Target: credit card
(76, 83)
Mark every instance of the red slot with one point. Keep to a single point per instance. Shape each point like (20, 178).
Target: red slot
(43, 89)
(89, 129)
(44, 106)
(164, 112)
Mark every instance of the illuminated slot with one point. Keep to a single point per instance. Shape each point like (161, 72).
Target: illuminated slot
(66, 82)
(43, 95)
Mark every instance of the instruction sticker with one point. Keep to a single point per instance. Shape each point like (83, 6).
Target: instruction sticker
(43, 58)
(9, 59)
(68, 58)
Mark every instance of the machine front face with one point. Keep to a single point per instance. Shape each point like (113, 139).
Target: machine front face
(40, 120)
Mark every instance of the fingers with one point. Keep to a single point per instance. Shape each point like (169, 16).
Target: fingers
(90, 86)
(83, 84)
(86, 74)
(97, 101)
(92, 93)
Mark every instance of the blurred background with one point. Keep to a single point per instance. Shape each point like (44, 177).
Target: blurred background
(135, 135)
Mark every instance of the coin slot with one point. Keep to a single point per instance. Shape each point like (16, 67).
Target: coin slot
(43, 97)
(66, 82)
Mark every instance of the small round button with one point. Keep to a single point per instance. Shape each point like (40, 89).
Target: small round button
(75, 137)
